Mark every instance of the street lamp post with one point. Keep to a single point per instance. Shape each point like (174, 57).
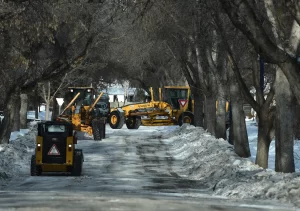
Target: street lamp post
(60, 101)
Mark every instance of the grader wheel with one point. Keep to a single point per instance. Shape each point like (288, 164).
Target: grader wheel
(133, 122)
(186, 117)
(96, 125)
(116, 119)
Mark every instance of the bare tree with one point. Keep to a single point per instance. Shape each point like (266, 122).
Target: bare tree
(43, 36)
(274, 36)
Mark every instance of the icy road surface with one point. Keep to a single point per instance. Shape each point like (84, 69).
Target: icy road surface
(129, 170)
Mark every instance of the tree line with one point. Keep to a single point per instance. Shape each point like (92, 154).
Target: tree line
(241, 51)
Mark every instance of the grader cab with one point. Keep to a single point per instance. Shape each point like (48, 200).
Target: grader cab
(86, 112)
(174, 107)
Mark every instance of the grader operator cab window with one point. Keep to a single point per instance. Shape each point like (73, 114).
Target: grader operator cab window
(173, 95)
(85, 98)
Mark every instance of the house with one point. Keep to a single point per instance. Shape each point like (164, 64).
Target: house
(116, 94)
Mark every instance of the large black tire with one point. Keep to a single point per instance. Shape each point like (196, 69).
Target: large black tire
(97, 129)
(186, 117)
(34, 170)
(133, 122)
(77, 163)
(102, 126)
(116, 120)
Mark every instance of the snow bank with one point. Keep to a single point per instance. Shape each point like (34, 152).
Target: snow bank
(214, 163)
(15, 157)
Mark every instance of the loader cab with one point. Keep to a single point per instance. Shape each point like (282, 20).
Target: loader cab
(54, 133)
(55, 150)
(55, 128)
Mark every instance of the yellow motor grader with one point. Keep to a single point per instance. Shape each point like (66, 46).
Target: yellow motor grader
(86, 112)
(175, 107)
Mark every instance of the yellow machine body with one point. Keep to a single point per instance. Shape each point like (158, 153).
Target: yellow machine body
(54, 167)
(165, 111)
(55, 149)
(82, 110)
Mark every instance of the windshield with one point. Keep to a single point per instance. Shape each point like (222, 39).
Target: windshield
(55, 128)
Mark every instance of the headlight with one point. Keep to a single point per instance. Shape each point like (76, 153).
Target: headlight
(38, 147)
(70, 147)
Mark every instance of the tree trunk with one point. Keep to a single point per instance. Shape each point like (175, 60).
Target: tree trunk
(230, 136)
(263, 138)
(55, 108)
(239, 130)
(47, 110)
(210, 115)
(16, 118)
(221, 118)
(11, 102)
(285, 112)
(198, 109)
(36, 103)
(23, 111)
(297, 122)
(47, 99)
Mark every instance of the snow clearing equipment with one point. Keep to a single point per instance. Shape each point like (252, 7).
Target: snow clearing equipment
(175, 107)
(55, 150)
(86, 112)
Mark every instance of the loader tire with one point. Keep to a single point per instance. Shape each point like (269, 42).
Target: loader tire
(102, 131)
(34, 170)
(186, 117)
(133, 122)
(77, 163)
(97, 129)
(116, 120)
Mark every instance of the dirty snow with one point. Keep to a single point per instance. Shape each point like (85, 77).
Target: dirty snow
(204, 158)
(15, 156)
(213, 162)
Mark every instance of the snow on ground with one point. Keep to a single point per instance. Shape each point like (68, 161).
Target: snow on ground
(15, 156)
(204, 158)
(213, 162)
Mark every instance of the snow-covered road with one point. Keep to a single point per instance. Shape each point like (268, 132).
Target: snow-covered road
(136, 162)
(135, 167)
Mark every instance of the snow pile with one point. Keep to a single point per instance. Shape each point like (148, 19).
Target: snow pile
(213, 162)
(15, 157)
